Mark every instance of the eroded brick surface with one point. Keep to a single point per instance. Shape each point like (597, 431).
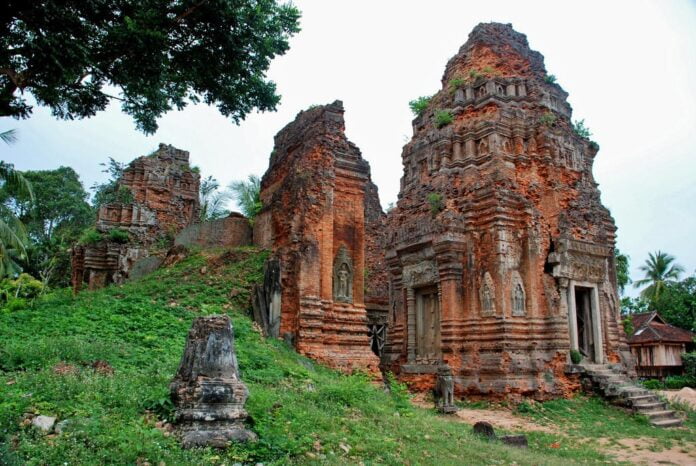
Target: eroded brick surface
(165, 200)
(314, 196)
(498, 229)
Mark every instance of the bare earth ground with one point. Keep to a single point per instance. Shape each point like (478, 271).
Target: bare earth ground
(642, 451)
(499, 418)
(685, 395)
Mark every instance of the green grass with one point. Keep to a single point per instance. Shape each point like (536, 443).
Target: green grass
(302, 412)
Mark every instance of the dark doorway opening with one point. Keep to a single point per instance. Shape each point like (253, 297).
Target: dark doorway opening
(585, 323)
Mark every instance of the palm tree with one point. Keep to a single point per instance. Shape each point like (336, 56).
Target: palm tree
(13, 235)
(659, 271)
(248, 195)
(213, 202)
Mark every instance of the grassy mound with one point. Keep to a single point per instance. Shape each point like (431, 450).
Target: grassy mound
(103, 362)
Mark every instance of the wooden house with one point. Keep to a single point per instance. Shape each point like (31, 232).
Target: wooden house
(658, 346)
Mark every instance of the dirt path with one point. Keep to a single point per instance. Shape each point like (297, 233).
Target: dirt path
(498, 418)
(642, 451)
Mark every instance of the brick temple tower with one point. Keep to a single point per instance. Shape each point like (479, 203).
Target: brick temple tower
(501, 255)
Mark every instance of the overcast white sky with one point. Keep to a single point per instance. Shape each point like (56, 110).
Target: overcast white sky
(629, 66)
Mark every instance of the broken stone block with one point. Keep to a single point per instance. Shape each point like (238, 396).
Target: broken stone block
(519, 441)
(44, 423)
(207, 391)
(484, 429)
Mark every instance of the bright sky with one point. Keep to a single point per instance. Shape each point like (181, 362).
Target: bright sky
(629, 66)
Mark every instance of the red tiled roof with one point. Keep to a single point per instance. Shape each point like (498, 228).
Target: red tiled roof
(654, 330)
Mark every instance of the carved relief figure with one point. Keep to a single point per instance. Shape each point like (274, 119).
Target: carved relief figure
(343, 276)
(487, 295)
(518, 300)
(483, 147)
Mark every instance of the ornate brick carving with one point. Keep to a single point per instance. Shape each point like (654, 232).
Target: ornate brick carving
(165, 200)
(522, 228)
(318, 203)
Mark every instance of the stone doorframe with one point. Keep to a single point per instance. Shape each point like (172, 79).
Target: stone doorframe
(596, 319)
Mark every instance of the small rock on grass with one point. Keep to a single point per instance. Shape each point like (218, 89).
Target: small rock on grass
(44, 423)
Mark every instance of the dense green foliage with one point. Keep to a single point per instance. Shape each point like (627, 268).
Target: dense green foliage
(550, 78)
(677, 303)
(547, 119)
(575, 356)
(420, 105)
(160, 54)
(443, 118)
(582, 130)
(689, 360)
(671, 382)
(622, 270)
(303, 412)
(54, 217)
(13, 234)
(436, 203)
(248, 195)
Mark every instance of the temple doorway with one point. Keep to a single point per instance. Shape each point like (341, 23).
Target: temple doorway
(586, 326)
(428, 324)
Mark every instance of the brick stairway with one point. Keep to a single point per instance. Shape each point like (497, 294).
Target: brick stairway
(612, 384)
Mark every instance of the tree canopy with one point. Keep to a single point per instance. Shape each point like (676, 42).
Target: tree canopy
(248, 195)
(54, 219)
(157, 54)
(659, 271)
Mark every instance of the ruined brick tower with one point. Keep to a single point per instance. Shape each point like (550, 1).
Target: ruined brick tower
(500, 252)
(163, 192)
(315, 193)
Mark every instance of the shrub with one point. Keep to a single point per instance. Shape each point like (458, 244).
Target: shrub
(689, 360)
(653, 384)
(119, 236)
(575, 356)
(90, 236)
(443, 118)
(487, 70)
(524, 407)
(550, 78)
(676, 382)
(627, 323)
(436, 204)
(581, 130)
(16, 292)
(547, 119)
(420, 105)
(456, 83)
(474, 74)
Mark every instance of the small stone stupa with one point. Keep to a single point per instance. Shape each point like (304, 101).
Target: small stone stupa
(207, 391)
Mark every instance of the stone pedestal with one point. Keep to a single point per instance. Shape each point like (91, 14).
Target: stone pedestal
(207, 391)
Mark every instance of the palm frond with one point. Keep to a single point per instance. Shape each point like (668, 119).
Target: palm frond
(9, 136)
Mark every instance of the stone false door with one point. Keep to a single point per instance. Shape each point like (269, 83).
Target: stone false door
(428, 324)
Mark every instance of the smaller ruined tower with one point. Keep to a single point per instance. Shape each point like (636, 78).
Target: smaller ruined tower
(157, 196)
(314, 196)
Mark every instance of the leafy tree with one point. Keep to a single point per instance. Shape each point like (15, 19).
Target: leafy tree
(659, 271)
(111, 192)
(54, 219)
(634, 305)
(622, 264)
(13, 236)
(677, 303)
(158, 54)
(213, 201)
(248, 195)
